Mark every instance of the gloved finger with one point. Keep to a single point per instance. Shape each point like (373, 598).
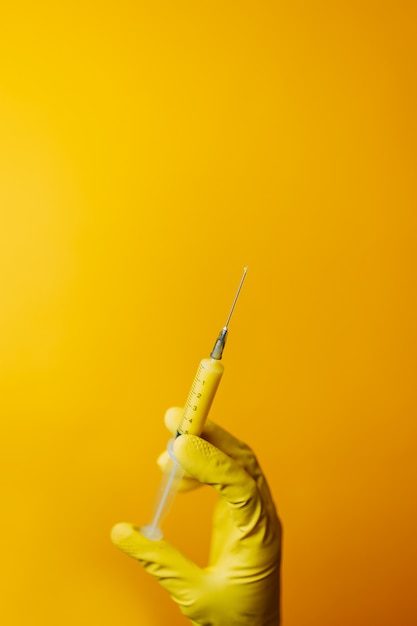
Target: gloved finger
(187, 482)
(172, 418)
(236, 449)
(213, 467)
(172, 569)
(242, 454)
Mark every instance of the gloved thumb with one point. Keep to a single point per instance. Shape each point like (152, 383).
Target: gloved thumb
(177, 574)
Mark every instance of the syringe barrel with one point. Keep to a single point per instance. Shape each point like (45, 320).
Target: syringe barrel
(201, 396)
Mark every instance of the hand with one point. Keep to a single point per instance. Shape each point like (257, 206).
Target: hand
(241, 584)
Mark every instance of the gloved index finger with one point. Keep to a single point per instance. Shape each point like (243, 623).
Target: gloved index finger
(213, 467)
(233, 447)
(242, 454)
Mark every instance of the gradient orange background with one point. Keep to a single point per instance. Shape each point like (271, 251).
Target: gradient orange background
(148, 151)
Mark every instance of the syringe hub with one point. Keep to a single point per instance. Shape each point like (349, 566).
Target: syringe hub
(218, 348)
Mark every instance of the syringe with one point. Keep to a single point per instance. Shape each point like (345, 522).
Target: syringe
(200, 398)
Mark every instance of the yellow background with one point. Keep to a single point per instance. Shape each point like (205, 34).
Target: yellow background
(148, 151)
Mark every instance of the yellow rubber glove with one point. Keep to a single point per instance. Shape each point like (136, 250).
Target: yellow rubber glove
(241, 584)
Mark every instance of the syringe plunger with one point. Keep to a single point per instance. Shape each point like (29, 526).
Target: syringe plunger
(168, 488)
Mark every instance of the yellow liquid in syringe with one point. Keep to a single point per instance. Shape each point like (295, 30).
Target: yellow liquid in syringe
(201, 396)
